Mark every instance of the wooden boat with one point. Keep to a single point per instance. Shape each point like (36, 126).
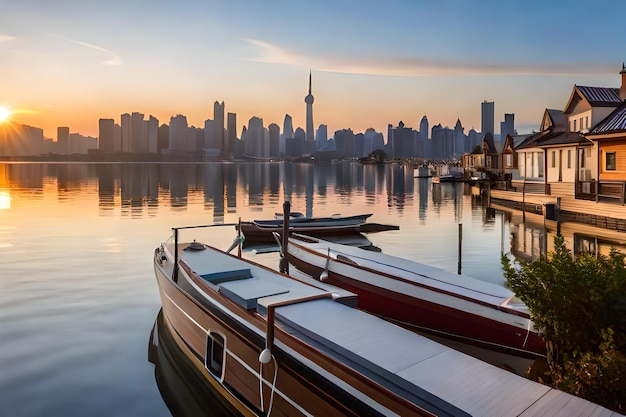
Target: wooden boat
(423, 297)
(261, 230)
(271, 344)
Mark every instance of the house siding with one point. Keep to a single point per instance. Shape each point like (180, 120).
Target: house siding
(619, 174)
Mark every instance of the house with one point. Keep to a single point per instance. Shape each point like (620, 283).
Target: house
(484, 161)
(609, 138)
(531, 158)
(508, 157)
(575, 167)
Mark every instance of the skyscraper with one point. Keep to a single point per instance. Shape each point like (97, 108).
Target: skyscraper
(138, 140)
(218, 128)
(507, 127)
(231, 130)
(63, 139)
(321, 137)
(106, 134)
(287, 133)
(487, 121)
(125, 121)
(310, 130)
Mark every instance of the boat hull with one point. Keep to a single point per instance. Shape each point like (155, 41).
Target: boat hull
(324, 389)
(422, 308)
(261, 230)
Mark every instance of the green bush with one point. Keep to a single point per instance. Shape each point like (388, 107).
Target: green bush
(580, 306)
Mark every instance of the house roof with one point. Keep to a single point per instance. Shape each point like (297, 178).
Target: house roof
(614, 122)
(488, 140)
(595, 96)
(565, 138)
(553, 119)
(553, 138)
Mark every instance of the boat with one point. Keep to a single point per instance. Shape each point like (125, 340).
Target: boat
(447, 178)
(261, 230)
(422, 297)
(273, 344)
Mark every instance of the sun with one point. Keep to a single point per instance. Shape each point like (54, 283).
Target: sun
(5, 114)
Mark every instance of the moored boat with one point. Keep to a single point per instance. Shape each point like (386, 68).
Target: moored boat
(261, 230)
(272, 344)
(422, 297)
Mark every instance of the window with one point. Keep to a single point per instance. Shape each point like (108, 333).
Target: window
(574, 125)
(610, 161)
(582, 159)
(553, 159)
(587, 122)
(540, 165)
(214, 358)
(569, 158)
(508, 160)
(581, 124)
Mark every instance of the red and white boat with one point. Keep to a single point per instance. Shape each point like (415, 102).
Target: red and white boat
(425, 298)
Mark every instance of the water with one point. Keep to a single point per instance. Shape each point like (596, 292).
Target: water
(77, 293)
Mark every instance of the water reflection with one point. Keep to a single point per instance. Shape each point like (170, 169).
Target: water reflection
(183, 388)
(142, 187)
(225, 190)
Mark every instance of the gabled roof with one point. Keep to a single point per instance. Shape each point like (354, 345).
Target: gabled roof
(553, 119)
(595, 96)
(551, 138)
(565, 138)
(614, 122)
(489, 143)
(512, 141)
(531, 141)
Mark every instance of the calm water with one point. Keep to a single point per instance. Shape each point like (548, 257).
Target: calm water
(77, 293)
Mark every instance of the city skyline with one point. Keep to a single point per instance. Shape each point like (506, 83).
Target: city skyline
(70, 64)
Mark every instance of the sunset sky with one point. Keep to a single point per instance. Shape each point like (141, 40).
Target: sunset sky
(69, 63)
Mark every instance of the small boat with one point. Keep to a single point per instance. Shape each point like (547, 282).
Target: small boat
(261, 230)
(422, 297)
(272, 344)
(447, 178)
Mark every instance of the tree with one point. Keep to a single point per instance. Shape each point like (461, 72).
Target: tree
(378, 156)
(580, 306)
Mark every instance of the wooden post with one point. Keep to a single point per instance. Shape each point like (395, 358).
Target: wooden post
(239, 238)
(460, 245)
(286, 215)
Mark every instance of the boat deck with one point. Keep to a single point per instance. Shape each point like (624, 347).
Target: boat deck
(415, 367)
(404, 272)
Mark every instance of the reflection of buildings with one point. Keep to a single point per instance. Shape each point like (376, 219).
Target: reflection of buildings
(135, 190)
(423, 185)
(254, 179)
(214, 190)
(106, 187)
(532, 236)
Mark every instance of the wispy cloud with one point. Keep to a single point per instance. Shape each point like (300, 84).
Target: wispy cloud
(6, 38)
(114, 60)
(414, 66)
(273, 54)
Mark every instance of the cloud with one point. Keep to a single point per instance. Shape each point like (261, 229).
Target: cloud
(116, 61)
(272, 54)
(415, 66)
(113, 61)
(6, 38)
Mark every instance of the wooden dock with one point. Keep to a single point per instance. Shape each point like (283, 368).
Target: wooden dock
(600, 214)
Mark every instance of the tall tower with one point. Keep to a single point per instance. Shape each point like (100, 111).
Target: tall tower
(310, 131)
(218, 128)
(487, 122)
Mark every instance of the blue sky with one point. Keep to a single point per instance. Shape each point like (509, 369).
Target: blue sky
(69, 63)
